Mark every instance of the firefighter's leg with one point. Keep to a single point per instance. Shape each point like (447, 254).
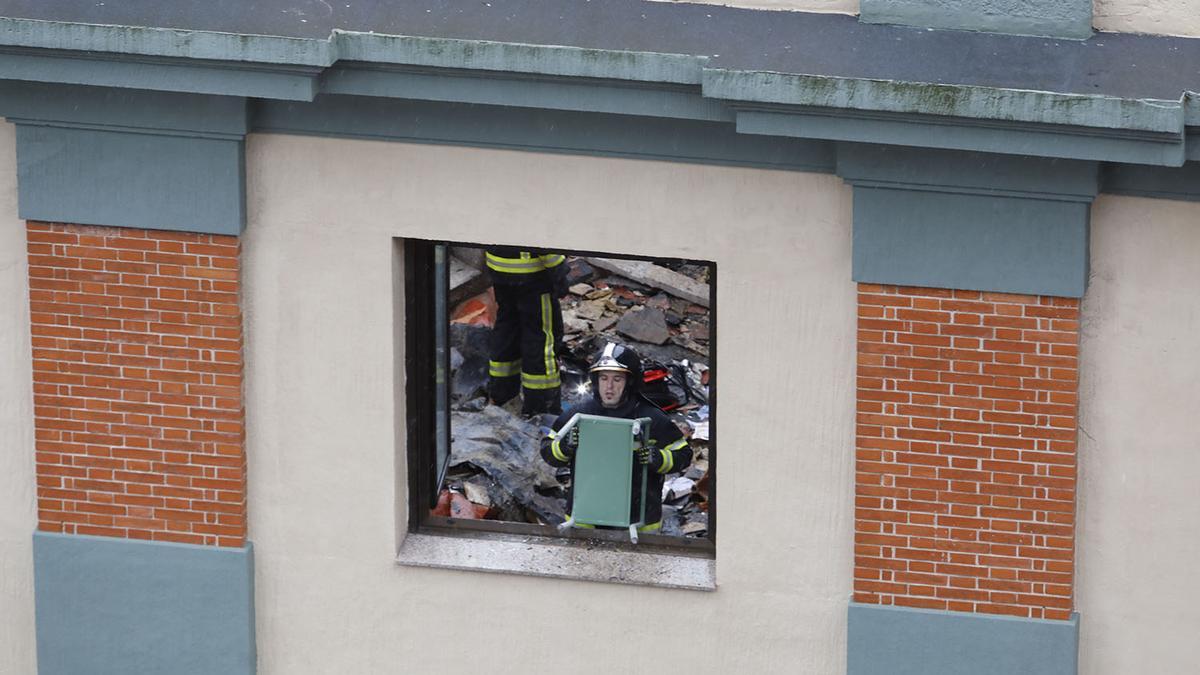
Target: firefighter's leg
(504, 346)
(541, 338)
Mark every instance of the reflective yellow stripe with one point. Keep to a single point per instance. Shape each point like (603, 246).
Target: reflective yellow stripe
(504, 368)
(551, 363)
(668, 454)
(540, 381)
(527, 377)
(557, 452)
(522, 265)
(552, 260)
(668, 461)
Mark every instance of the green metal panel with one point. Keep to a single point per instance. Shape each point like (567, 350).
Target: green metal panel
(603, 471)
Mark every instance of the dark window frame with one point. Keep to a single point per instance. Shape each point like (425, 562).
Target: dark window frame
(421, 370)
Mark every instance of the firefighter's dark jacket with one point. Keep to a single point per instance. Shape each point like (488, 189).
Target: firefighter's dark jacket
(669, 451)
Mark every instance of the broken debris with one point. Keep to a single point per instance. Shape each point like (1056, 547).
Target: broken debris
(656, 276)
(506, 448)
(648, 325)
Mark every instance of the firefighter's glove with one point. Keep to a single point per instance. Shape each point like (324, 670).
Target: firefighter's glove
(650, 456)
(570, 443)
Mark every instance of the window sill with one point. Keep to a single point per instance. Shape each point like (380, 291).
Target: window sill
(584, 560)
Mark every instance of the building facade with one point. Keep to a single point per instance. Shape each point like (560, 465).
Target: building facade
(954, 250)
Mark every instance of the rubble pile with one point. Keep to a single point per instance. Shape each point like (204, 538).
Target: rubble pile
(660, 310)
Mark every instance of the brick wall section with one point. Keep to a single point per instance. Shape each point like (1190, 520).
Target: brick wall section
(965, 471)
(137, 376)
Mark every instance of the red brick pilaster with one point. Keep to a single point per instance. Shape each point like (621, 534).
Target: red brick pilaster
(966, 438)
(137, 375)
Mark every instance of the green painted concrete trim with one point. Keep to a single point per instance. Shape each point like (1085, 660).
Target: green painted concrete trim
(144, 41)
(968, 172)
(227, 78)
(540, 130)
(956, 133)
(1192, 145)
(128, 158)
(1060, 18)
(215, 54)
(974, 221)
(519, 58)
(1157, 182)
(1191, 109)
(525, 91)
(353, 46)
(153, 181)
(130, 110)
(109, 606)
(973, 242)
(905, 641)
(982, 118)
(951, 100)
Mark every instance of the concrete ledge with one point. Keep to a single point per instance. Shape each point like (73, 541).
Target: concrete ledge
(902, 641)
(565, 559)
(123, 606)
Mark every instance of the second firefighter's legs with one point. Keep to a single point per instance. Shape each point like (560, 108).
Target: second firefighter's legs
(541, 342)
(504, 367)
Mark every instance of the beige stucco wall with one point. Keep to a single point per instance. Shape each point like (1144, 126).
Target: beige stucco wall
(1138, 593)
(835, 6)
(1163, 17)
(320, 402)
(18, 508)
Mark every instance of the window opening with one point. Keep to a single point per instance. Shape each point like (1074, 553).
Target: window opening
(480, 446)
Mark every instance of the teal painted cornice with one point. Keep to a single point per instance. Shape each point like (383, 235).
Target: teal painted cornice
(917, 106)
(128, 157)
(102, 93)
(974, 221)
(971, 102)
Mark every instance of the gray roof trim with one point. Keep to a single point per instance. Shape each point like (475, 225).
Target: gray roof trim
(951, 100)
(353, 46)
(519, 58)
(299, 63)
(150, 41)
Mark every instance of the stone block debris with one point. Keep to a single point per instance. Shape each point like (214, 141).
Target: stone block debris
(648, 325)
(655, 276)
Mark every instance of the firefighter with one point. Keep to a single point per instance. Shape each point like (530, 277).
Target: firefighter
(616, 377)
(527, 337)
